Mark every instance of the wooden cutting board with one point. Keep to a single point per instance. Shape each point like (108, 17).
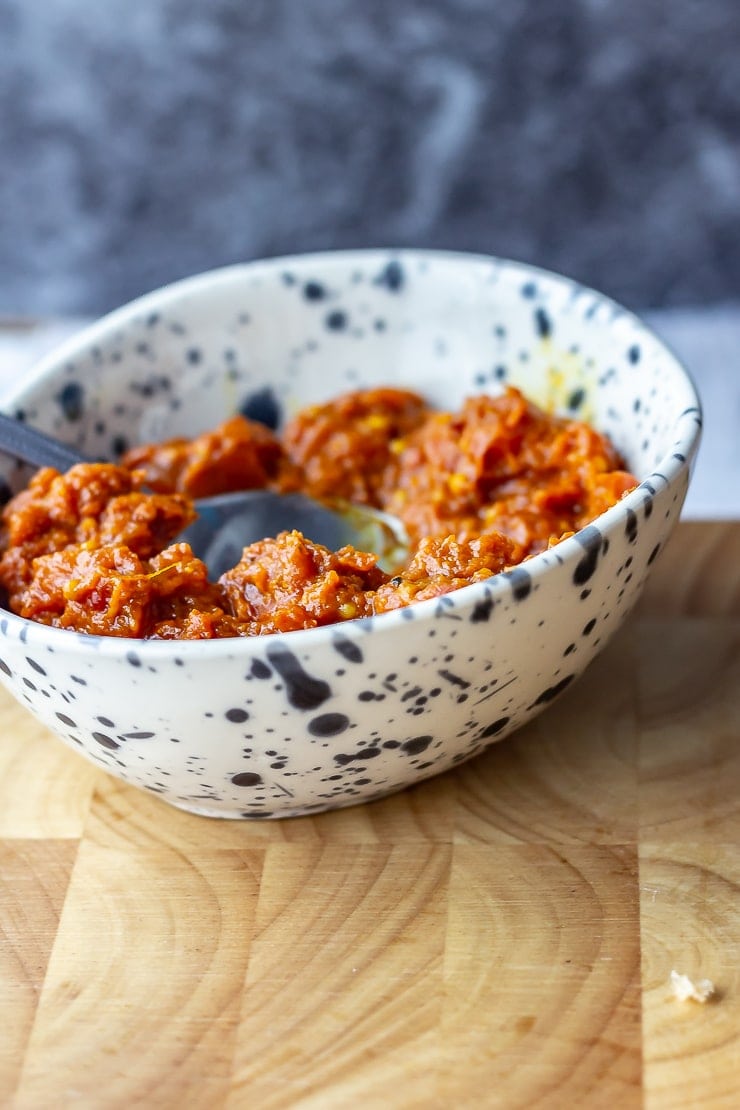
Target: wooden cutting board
(502, 936)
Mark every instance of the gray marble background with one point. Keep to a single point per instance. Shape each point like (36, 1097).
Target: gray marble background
(143, 140)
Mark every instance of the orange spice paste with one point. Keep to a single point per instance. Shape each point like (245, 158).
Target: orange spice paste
(479, 491)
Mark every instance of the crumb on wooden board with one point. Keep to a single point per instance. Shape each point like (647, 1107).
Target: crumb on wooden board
(685, 989)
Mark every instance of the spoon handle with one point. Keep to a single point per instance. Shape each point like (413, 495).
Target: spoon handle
(23, 442)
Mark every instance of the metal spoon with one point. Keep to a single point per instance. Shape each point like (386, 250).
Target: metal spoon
(231, 521)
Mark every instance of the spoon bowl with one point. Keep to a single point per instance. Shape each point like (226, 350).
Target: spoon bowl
(229, 522)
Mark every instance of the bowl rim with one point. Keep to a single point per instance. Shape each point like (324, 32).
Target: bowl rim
(679, 459)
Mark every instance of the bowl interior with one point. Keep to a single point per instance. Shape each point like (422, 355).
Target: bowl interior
(268, 338)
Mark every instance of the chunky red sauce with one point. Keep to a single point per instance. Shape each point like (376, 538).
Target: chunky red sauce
(478, 491)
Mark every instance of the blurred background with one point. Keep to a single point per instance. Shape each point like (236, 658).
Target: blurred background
(142, 142)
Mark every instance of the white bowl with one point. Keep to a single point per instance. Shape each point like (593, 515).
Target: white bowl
(311, 720)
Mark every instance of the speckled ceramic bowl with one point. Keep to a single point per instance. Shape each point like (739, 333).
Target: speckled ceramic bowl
(307, 721)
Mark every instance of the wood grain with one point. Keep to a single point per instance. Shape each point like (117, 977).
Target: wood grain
(33, 884)
(120, 816)
(698, 573)
(690, 899)
(558, 983)
(142, 994)
(344, 984)
(689, 730)
(501, 936)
